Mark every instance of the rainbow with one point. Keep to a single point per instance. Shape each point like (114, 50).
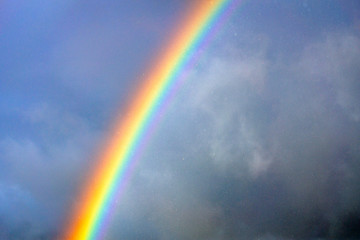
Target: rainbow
(94, 204)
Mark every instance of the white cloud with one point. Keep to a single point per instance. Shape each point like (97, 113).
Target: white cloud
(334, 60)
(220, 91)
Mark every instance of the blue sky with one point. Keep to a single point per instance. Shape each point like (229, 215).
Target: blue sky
(261, 142)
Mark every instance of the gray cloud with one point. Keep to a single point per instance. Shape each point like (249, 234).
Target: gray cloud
(254, 155)
(40, 174)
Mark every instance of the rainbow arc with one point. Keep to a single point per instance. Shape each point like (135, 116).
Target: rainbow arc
(94, 204)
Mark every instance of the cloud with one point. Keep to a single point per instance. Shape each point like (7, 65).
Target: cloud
(255, 150)
(333, 62)
(46, 169)
(223, 91)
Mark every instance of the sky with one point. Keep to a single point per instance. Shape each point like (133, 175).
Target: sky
(262, 141)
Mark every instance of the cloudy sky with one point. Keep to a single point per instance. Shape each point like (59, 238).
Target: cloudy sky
(262, 141)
